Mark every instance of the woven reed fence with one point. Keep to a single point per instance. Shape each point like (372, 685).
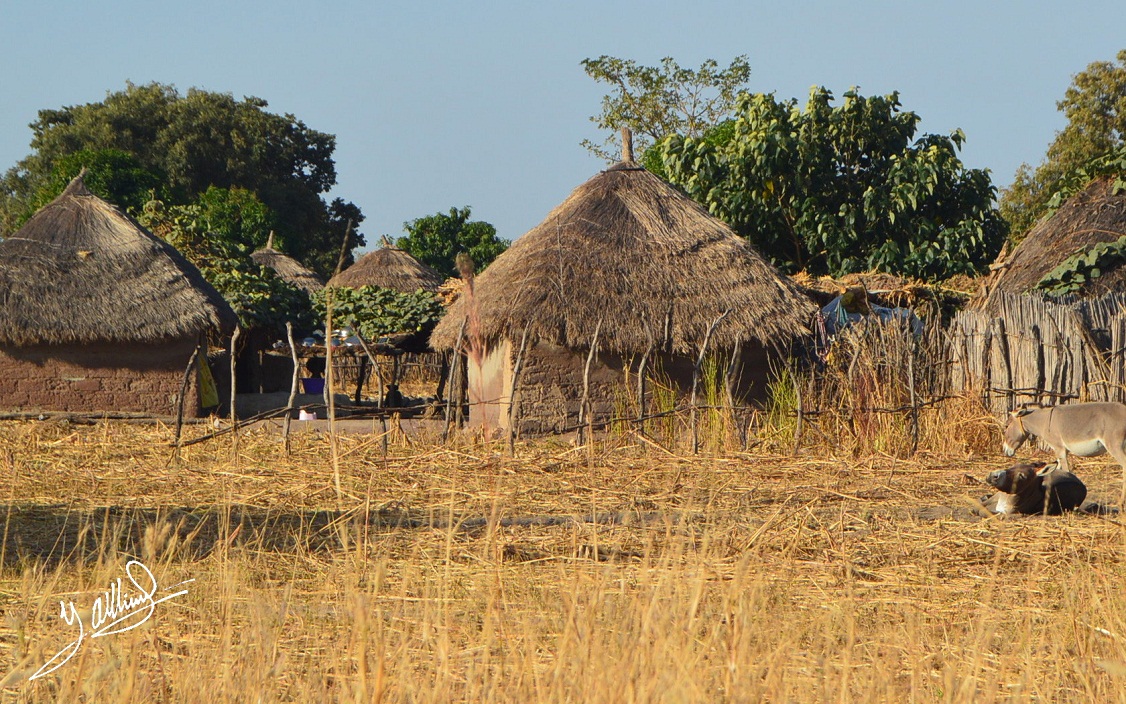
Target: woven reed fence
(1028, 349)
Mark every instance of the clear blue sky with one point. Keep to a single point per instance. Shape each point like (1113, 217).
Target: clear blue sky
(443, 104)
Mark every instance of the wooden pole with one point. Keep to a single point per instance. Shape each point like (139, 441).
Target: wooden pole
(911, 391)
(732, 371)
(234, 388)
(641, 409)
(454, 379)
(696, 378)
(292, 385)
(360, 379)
(799, 408)
(183, 394)
(584, 402)
(329, 387)
(514, 398)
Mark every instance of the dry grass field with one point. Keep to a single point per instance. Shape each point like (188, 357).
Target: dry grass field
(823, 576)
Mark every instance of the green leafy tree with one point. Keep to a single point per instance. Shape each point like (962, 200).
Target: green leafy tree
(112, 174)
(236, 215)
(657, 101)
(842, 188)
(194, 141)
(257, 295)
(374, 311)
(436, 240)
(1095, 106)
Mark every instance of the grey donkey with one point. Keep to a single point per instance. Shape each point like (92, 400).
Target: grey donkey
(1083, 429)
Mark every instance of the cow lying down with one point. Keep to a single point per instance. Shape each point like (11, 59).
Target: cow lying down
(1034, 488)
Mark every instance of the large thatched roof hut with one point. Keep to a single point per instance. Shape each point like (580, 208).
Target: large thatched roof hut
(97, 314)
(651, 271)
(1095, 214)
(389, 267)
(287, 268)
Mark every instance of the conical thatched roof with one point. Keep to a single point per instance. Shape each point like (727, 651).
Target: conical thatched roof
(81, 271)
(389, 267)
(628, 249)
(287, 268)
(1093, 215)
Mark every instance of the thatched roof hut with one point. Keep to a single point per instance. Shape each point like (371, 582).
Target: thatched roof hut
(389, 267)
(97, 314)
(1095, 214)
(628, 250)
(287, 268)
(82, 271)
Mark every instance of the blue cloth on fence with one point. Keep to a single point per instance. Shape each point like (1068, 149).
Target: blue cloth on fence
(837, 318)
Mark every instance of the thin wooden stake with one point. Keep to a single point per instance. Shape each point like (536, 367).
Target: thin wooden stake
(584, 402)
(453, 379)
(183, 393)
(329, 376)
(696, 379)
(514, 399)
(641, 406)
(799, 408)
(292, 385)
(234, 389)
(911, 391)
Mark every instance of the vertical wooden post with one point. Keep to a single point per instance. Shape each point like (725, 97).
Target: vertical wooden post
(330, 389)
(799, 408)
(911, 391)
(584, 402)
(987, 367)
(183, 394)
(642, 407)
(292, 384)
(729, 381)
(454, 379)
(1038, 345)
(696, 379)
(234, 388)
(360, 379)
(1002, 338)
(514, 397)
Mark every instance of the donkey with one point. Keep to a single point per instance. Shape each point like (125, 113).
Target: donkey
(1035, 487)
(1083, 429)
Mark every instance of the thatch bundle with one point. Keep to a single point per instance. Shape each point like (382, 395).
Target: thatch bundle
(389, 267)
(287, 268)
(82, 271)
(1093, 215)
(888, 290)
(632, 252)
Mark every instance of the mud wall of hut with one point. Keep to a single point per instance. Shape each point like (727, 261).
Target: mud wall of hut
(98, 378)
(551, 385)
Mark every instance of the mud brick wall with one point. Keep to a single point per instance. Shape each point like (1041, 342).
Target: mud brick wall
(98, 377)
(551, 384)
(551, 389)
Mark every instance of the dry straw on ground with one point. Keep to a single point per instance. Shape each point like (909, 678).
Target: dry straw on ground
(739, 577)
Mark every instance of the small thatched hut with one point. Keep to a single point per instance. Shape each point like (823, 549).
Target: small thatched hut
(389, 267)
(1095, 214)
(97, 314)
(287, 268)
(631, 260)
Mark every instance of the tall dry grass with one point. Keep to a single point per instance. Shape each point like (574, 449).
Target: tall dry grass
(734, 577)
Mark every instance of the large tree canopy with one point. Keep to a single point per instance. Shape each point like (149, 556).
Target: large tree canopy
(436, 240)
(657, 101)
(180, 146)
(1095, 106)
(841, 188)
